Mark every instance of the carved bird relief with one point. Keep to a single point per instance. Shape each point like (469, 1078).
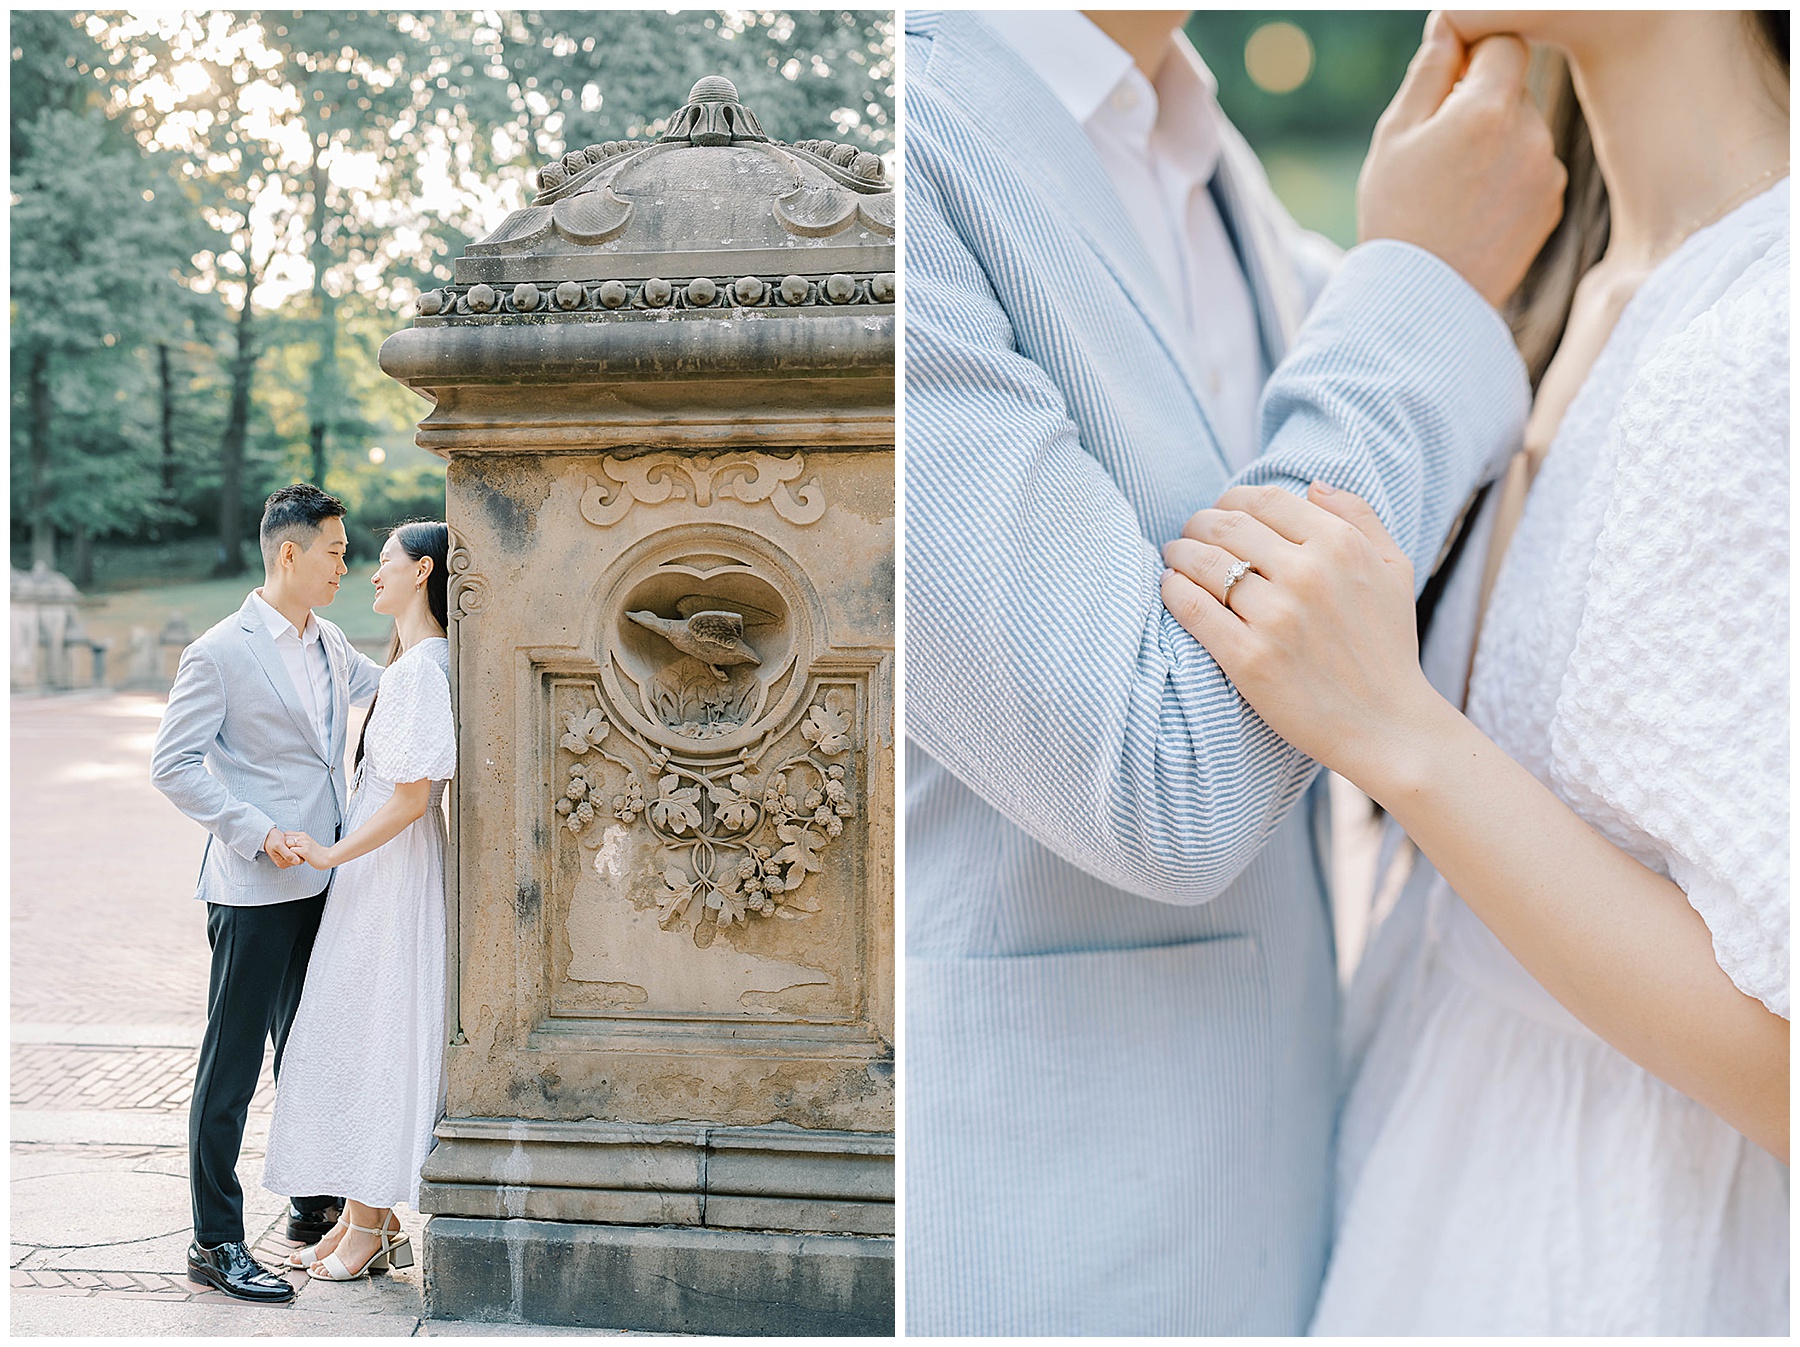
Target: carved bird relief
(713, 636)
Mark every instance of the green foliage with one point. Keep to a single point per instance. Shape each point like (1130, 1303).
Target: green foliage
(56, 65)
(1313, 139)
(100, 235)
(621, 74)
(333, 164)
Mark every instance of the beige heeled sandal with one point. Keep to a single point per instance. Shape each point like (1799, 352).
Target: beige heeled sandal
(395, 1252)
(305, 1258)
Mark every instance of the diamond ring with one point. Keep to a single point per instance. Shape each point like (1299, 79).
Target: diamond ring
(1239, 569)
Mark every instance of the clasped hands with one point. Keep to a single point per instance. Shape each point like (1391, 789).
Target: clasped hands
(1320, 634)
(289, 847)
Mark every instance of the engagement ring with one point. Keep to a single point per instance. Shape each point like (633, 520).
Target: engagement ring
(1239, 569)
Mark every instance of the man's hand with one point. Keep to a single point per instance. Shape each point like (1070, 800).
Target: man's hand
(310, 850)
(1464, 169)
(278, 849)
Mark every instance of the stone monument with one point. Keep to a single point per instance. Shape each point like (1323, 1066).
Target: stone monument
(47, 630)
(665, 389)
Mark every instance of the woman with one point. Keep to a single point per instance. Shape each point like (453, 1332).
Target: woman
(1569, 1104)
(361, 1084)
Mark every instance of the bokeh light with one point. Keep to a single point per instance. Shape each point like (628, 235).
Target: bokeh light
(1278, 57)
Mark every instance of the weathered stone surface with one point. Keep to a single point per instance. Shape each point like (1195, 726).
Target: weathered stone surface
(665, 389)
(671, 1281)
(768, 1178)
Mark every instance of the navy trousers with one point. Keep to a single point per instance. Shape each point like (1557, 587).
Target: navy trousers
(259, 957)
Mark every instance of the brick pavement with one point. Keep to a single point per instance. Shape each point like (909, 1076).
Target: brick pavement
(104, 925)
(74, 1076)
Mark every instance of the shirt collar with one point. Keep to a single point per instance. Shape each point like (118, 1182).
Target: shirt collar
(1098, 83)
(1189, 127)
(1064, 48)
(279, 626)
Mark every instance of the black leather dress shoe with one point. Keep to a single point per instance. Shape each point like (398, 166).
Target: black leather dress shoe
(232, 1270)
(309, 1227)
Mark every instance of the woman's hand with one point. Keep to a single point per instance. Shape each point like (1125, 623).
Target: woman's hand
(313, 852)
(1321, 636)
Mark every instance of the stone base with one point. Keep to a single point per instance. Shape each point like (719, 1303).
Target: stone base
(665, 1279)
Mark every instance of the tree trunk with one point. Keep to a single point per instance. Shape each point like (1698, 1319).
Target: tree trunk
(168, 422)
(231, 446)
(37, 409)
(322, 397)
(83, 566)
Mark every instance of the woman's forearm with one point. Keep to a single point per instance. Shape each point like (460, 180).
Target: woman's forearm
(406, 806)
(1617, 944)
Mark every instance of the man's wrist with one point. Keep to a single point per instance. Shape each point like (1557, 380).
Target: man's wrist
(1442, 332)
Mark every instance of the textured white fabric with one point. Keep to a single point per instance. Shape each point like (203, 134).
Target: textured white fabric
(362, 1079)
(1501, 1170)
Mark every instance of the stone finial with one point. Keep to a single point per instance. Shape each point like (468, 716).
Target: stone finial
(713, 116)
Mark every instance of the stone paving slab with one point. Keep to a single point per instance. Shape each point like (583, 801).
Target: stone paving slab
(124, 1315)
(107, 1314)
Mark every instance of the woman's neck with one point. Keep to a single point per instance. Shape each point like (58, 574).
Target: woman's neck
(1688, 121)
(416, 624)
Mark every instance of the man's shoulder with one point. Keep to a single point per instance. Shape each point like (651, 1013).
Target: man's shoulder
(922, 25)
(225, 634)
(937, 41)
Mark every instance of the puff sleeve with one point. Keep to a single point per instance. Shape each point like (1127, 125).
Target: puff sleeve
(414, 734)
(1674, 710)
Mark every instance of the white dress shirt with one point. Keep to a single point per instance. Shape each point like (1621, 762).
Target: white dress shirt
(1159, 143)
(304, 654)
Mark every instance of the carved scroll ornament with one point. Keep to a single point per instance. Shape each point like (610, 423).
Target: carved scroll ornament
(750, 477)
(467, 590)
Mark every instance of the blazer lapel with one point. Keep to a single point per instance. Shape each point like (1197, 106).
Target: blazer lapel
(334, 660)
(1242, 191)
(262, 645)
(1011, 106)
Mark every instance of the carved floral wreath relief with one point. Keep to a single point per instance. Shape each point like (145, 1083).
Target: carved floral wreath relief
(739, 839)
(700, 758)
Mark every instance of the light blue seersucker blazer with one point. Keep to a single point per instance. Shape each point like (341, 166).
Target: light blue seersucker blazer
(238, 753)
(1120, 989)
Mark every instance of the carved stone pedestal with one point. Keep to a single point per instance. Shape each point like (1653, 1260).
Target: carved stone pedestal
(562, 1204)
(665, 389)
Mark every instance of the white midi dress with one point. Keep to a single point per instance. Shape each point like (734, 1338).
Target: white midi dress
(361, 1083)
(1501, 1170)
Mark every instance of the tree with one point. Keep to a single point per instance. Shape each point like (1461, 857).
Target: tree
(577, 78)
(96, 243)
(329, 166)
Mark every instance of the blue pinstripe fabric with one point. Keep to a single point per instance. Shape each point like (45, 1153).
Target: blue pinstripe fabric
(1120, 988)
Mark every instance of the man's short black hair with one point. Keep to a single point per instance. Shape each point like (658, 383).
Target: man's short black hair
(295, 513)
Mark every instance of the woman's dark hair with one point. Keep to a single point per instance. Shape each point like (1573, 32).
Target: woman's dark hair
(1770, 27)
(1539, 310)
(419, 539)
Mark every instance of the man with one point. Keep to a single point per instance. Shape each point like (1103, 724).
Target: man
(1120, 982)
(254, 733)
